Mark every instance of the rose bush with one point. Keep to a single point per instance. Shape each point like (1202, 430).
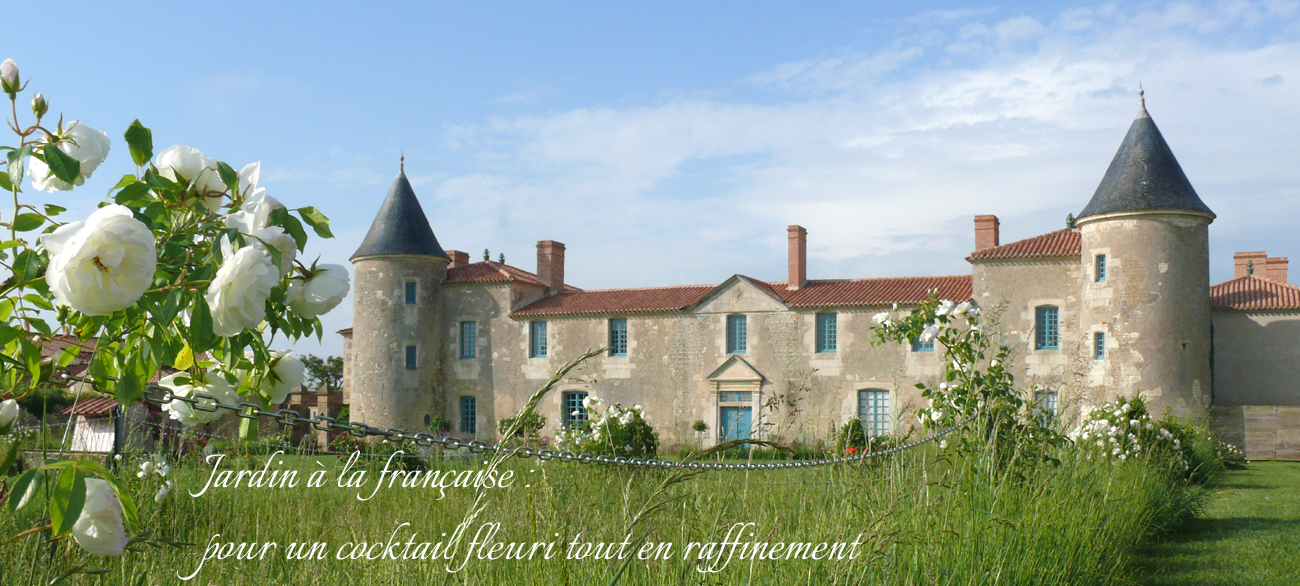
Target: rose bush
(190, 270)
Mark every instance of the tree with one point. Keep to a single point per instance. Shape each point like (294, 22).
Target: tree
(324, 374)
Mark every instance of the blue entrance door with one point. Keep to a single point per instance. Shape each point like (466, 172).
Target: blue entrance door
(735, 422)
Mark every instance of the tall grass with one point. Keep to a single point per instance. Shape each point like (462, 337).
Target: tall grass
(926, 517)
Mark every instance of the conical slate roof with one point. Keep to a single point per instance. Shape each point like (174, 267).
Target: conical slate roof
(1144, 175)
(400, 227)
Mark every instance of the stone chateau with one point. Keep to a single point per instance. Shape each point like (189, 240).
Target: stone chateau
(1119, 304)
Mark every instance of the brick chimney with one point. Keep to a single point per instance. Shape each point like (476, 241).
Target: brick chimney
(986, 232)
(798, 257)
(1275, 269)
(458, 259)
(1241, 263)
(550, 265)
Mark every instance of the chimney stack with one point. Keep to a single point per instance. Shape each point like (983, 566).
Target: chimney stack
(1241, 264)
(986, 232)
(1275, 269)
(458, 259)
(798, 257)
(550, 265)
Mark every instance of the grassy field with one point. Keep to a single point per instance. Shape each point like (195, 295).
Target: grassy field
(1249, 533)
(923, 519)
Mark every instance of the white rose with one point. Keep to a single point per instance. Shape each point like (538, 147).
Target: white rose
(276, 238)
(930, 333)
(961, 308)
(249, 176)
(103, 265)
(237, 294)
(286, 375)
(255, 213)
(185, 413)
(90, 150)
(189, 166)
(880, 318)
(945, 307)
(321, 292)
(8, 415)
(163, 492)
(9, 73)
(99, 529)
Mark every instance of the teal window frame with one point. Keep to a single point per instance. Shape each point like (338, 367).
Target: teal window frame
(827, 332)
(874, 413)
(1046, 407)
(919, 346)
(737, 334)
(412, 357)
(468, 414)
(618, 336)
(1099, 345)
(537, 339)
(1047, 327)
(1101, 268)
(468, 339)
(412, 290)
(571, 402)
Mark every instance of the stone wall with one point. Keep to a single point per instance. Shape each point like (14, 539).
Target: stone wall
(1263, 432)
(1256, 358)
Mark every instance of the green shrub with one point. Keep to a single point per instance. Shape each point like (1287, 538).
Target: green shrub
(439, 424)
(851, 435)
(533, 422)
(618, 432)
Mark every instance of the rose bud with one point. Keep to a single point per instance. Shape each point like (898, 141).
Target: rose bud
(9, 80)
(39, 106)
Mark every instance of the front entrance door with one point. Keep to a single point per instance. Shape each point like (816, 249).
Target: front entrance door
(735, 422)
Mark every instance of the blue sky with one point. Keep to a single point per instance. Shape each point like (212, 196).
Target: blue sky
(671, 143)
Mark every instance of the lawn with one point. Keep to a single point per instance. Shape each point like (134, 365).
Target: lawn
(1249, 533)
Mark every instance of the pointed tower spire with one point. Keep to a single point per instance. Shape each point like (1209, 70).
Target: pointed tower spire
(400, 227)
(1144, 175)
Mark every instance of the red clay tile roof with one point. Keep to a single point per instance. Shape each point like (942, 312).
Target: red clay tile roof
(618, 301)
(494, 272)
(1060, 243)
(1251, 292)
(829, 293)
(92, 407)
(873, 292)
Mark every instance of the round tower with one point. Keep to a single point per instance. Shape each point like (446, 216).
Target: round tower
(396, 315)
(1146, 288)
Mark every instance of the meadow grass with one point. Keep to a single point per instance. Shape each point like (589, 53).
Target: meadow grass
(1249, 533)
(925, 518)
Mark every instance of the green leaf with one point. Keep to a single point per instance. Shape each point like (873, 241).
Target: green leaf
(31, 357)
(9, 457)
(16, 157)
(27, 264)
(28, 222)
(66, 502)
(130, 518)
(201, 336)
(68, 355)
(228, 176)
(5, 184)
(140, 139)
(316, 220)
(123, 182)
(51, 209)
(63, 166)
(26, 489)
(294, 228)
(134, 195)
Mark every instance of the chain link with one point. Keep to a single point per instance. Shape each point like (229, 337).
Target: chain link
(394, 435)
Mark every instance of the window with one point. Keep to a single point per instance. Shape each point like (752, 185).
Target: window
(736, 334)
(1045, 407)
(410, 292)
(873, 412)
(919, 346)
(826, 331)
(1099, 345)
(573, 412)
(468, 413)
(1047, 333)
(537, 339)
(411, 357)
(1101, 268)
(618, 337)
(468, 339)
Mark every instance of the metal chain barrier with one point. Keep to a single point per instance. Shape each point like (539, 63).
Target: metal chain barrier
(247, 410)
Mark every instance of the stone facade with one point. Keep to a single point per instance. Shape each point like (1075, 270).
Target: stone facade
(1119, 305)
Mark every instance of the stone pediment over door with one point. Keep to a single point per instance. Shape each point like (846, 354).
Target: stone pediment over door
(737, 370)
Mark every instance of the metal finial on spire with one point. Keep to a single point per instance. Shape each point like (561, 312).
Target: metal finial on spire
(401, 162)
(1142, 95)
